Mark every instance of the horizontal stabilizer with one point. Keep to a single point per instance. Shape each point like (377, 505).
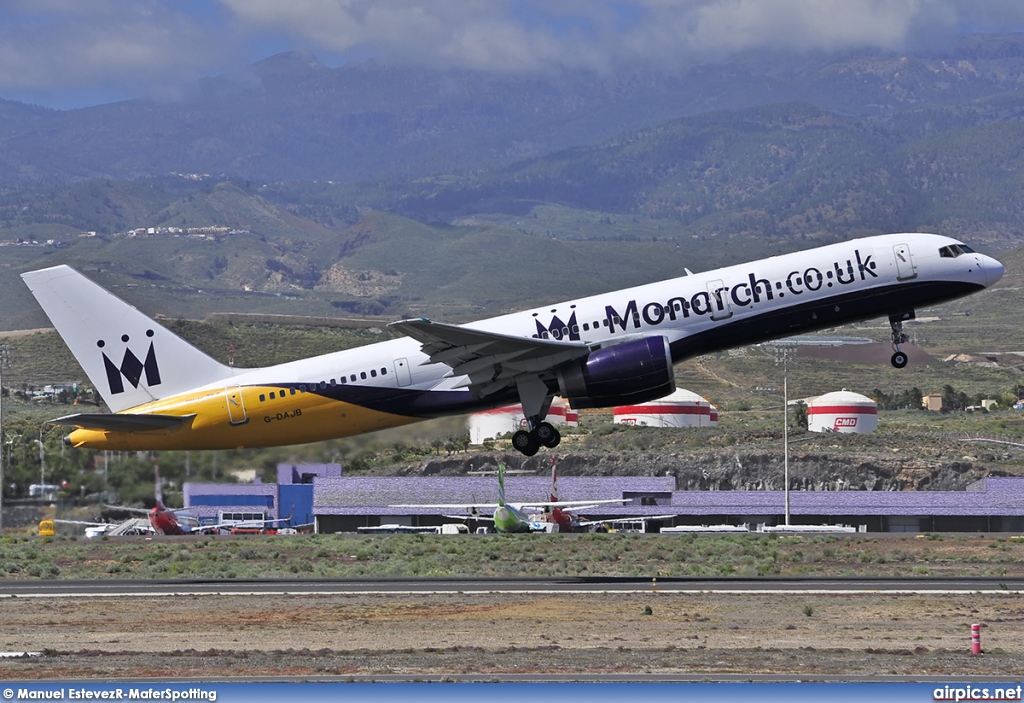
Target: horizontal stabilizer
(122, 422)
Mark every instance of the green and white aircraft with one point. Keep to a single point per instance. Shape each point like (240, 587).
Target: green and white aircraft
(540, 516)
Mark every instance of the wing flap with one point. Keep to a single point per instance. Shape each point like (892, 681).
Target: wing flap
(123, 422)
(439, 337)
(490, 360)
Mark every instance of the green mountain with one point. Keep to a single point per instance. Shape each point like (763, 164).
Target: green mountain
(788, 171)
(290, 117)
(691, 192)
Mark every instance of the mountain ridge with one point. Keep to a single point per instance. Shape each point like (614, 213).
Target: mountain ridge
(290, 117)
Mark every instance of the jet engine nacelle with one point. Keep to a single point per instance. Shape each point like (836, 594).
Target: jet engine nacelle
(624, 374)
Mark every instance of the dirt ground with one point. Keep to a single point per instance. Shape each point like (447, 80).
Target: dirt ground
(495, 635)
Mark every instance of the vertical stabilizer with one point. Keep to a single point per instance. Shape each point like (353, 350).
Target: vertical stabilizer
(554, 481)
(159, 484)
(129, 358)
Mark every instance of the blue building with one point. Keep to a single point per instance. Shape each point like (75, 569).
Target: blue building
(291, 496)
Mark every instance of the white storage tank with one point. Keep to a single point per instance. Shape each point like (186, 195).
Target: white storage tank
(680, 409)
(842, 411)
(491, 423)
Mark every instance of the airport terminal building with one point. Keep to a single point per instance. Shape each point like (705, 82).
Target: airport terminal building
(321, 495)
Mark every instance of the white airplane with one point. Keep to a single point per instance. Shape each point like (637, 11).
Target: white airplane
(605, 350)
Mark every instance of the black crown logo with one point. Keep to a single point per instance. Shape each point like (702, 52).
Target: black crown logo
(131, 368)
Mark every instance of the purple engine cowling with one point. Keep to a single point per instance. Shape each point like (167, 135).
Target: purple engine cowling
(624, 374)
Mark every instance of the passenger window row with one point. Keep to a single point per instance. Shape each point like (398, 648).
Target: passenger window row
(322, 385)
(564, 332)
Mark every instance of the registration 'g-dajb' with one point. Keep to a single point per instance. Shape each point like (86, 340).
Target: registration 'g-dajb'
(605, 350)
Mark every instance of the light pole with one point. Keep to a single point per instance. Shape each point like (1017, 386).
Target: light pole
(42, 463)
(785, 426)
(5, 360)
(783, 356)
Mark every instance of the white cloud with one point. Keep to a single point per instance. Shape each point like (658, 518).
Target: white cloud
(528, 34)
(158, 46)
(686, 30)
(137, 46)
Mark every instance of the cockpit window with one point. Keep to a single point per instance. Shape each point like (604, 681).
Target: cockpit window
(954, 250)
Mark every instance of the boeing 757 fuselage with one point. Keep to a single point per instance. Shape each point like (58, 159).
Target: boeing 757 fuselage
(611, 349)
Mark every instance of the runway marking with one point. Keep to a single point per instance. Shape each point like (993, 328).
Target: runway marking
(546, 592)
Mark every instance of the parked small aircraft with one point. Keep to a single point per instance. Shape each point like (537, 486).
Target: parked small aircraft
(617, 348)
(540, 516)
(164, 521)
(571, 521)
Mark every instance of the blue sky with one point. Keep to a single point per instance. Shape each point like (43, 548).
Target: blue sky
(72, 53)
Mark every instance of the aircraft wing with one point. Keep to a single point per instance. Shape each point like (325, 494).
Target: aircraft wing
(576, 504)
(490, 360)
(180, 512)
(639, 518)
(395, 528)
(473, 508)
(123, 422)
(483, 518)
(539, 505)
(268, 523)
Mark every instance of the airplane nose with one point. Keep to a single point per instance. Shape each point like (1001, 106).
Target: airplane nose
(992, 270)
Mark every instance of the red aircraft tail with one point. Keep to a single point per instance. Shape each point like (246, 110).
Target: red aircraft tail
(554, 482)
(159, 490)
(164, 521)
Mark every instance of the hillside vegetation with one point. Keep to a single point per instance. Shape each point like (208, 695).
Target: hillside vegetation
(693, 192)
(377, 190)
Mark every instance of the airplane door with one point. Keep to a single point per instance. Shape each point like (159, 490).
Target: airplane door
(718, 294)
(236, 406)
(905, 267)
(402, 372)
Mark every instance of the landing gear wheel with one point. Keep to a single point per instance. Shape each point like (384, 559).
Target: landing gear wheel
(547, 435)
(899, 359)
(525, 443)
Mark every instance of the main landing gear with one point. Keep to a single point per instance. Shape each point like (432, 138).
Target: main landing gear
(541, 433)
(536, 400)
(899, 357)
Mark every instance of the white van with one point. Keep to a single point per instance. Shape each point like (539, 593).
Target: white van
(454, 528)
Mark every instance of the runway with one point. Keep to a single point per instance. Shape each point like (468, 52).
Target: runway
(528, 629)
(582, 585)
